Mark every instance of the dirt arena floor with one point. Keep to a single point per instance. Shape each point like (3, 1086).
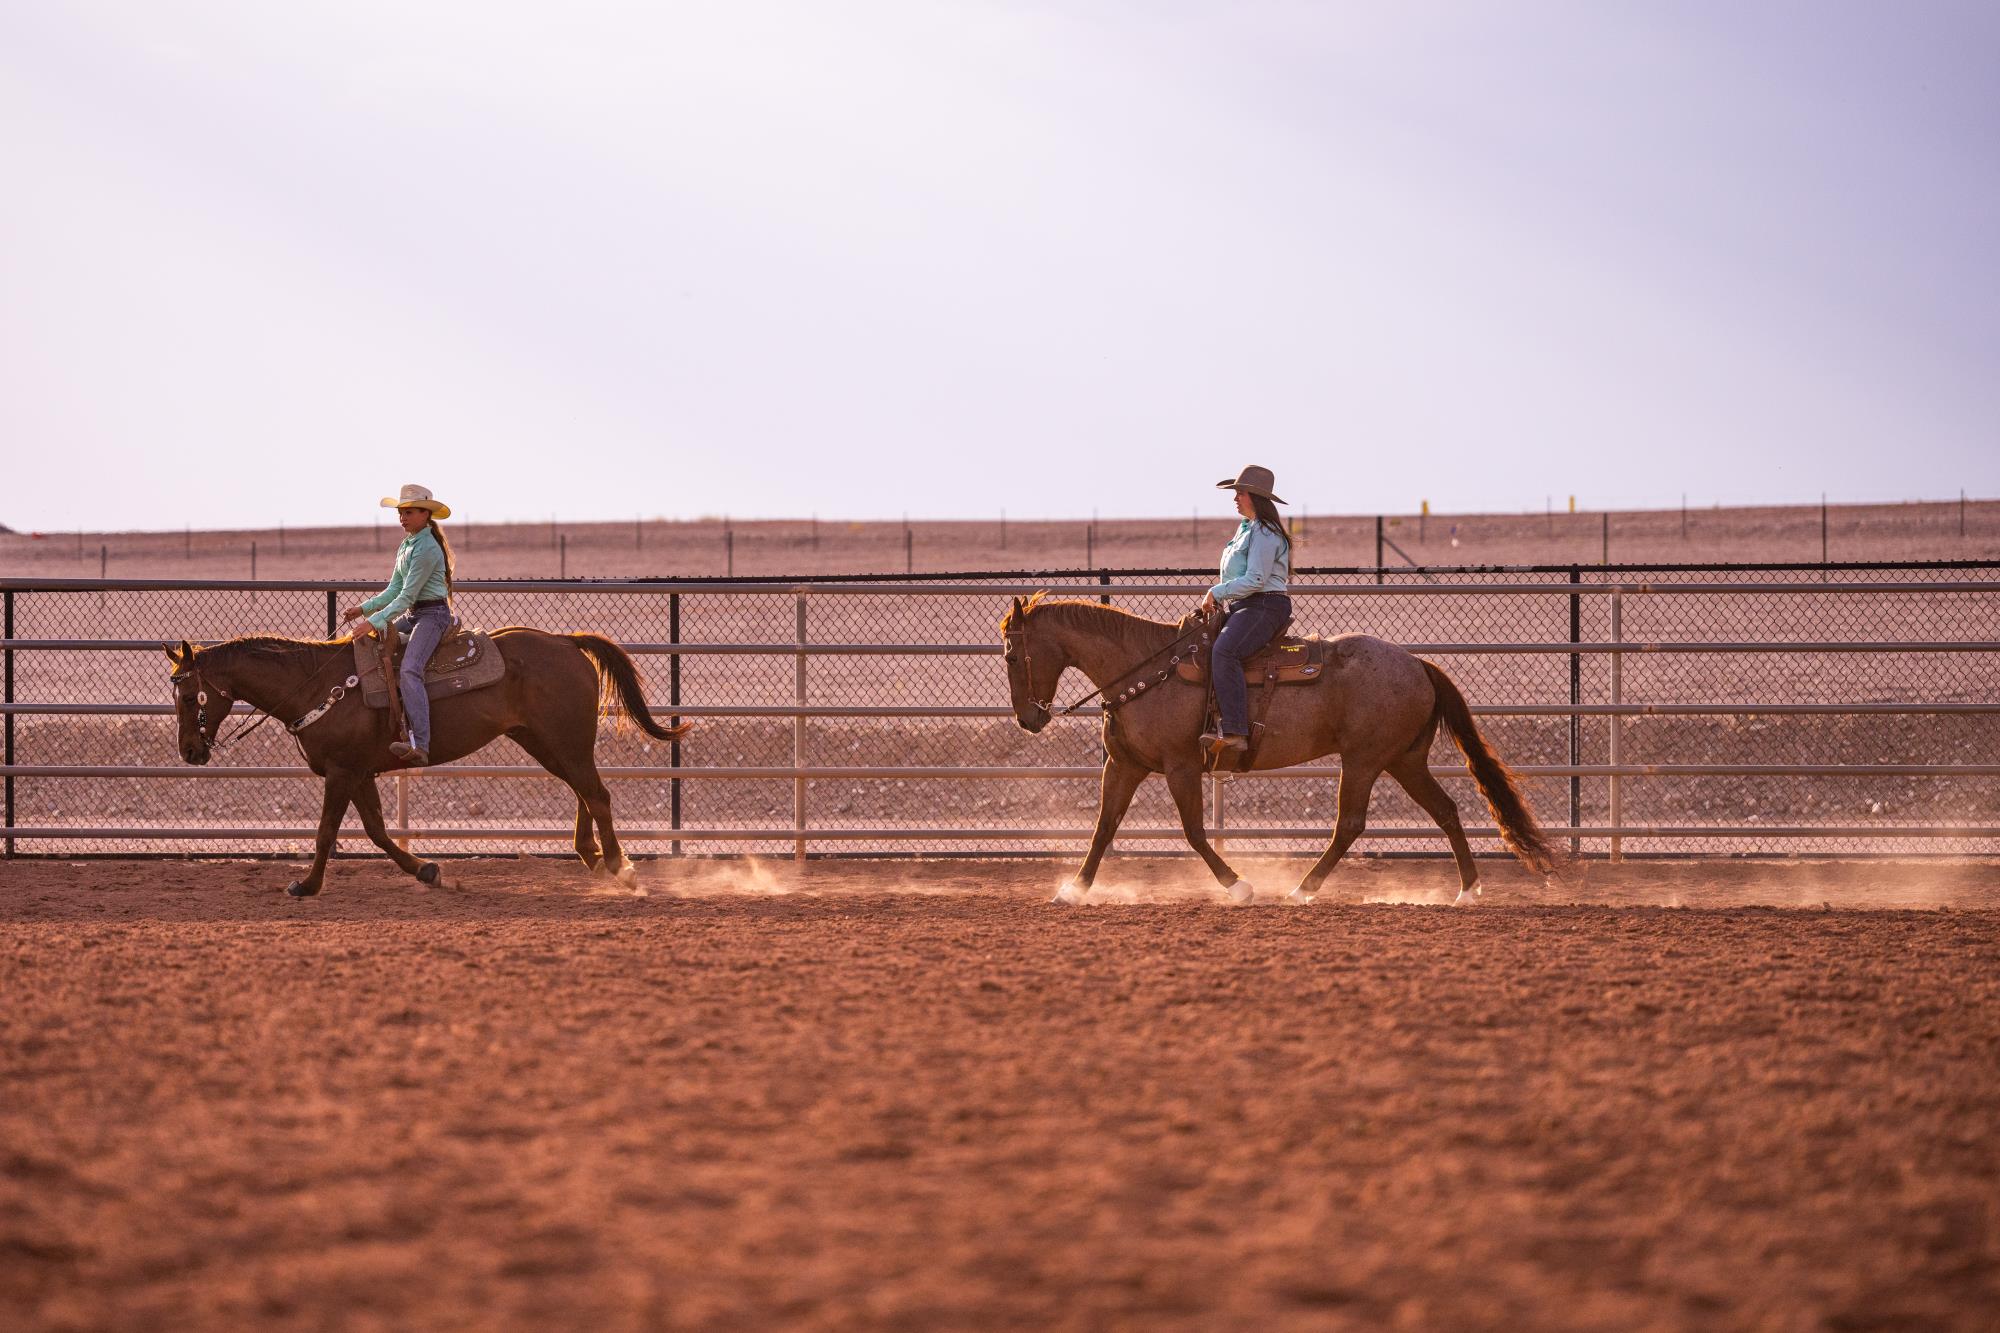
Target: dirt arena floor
(912, 1095)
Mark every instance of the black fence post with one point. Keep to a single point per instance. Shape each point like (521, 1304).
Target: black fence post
(1575, 720)
(1104, 581)
(674, 700)
(9, 622)
(332, 613)
(1378, 548)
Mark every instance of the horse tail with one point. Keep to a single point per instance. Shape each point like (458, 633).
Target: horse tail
(1518, 829)
(619, 681)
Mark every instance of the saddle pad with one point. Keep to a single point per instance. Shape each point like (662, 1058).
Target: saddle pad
(467, 659)
(1298, 661)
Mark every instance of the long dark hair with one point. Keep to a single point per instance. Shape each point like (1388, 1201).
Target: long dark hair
(1261, 506)
(450, 567)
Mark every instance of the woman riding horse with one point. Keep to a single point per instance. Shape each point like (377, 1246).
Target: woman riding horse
(1256, 565)
(420, 586)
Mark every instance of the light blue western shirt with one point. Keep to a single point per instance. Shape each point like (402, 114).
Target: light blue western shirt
(419, 577)
(1256, 560)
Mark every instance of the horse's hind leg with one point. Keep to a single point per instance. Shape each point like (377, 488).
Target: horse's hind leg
(1413, 772)
(586, 836)
(368, 803)
(551, 757)
(1355, 786)
(596, 798)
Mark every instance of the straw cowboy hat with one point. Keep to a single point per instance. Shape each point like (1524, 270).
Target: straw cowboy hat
(1254, 479)
(420, 497)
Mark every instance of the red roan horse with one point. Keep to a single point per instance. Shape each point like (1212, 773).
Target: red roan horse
(548, 704)
(1377, 707)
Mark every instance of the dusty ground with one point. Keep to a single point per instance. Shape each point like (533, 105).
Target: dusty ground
(911, 1095)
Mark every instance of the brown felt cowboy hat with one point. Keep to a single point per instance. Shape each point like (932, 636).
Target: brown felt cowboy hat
(1254, 479)
(417, 497)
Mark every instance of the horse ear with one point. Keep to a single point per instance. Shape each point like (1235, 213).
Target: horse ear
(187, 651)
(174, 653)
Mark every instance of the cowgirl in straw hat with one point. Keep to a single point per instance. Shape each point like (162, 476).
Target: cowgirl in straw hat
(1256, 566)
(418, 600)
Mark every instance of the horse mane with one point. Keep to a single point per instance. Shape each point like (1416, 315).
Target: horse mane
(1131, 628)
(270, 648)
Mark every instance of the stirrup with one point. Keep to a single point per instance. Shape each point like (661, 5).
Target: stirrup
(409, 754)
(1216, 742)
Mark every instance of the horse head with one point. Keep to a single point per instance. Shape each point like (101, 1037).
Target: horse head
(199, 705)
(1035, 663)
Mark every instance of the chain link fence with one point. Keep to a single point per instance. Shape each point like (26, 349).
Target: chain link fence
(1729, 709)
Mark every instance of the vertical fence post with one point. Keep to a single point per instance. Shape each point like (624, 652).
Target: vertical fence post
(799, 738)
(9, 622)
(1605, 559)
(1090, 547)
(332, 613)
(674, 700)
(403, 810)
(909, 549)
(729, 551)
(1822, 533)
(1215, 806)
(1378, 548)
(562, 556)
(1617, 697)
(1575, 720)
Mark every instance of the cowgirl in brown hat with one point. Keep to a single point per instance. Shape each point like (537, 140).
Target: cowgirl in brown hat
(1256, 565)
(420, 587)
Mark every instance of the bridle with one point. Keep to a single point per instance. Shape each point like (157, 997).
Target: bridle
(1181, 647)
(249, 725)
(1017, 641)
(193, 672)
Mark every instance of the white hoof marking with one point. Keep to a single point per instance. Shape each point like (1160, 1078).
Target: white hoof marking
(1242, 891)
(1299, 897)
(1069, 894)
(1468, 897)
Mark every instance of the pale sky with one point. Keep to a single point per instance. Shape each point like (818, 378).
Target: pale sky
(264, 262)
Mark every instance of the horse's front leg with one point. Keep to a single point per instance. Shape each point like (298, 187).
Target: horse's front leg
(1121, 778)
(368, 804)
(1184, 781)
(332, 809)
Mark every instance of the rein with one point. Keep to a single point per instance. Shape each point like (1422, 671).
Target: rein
(1190, 643)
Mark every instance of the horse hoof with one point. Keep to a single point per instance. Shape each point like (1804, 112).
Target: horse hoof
(298, 889)
(1299, 897)
(428, 873)
(1242, 891)
(1069, 894)
(628, 875)
(1468, 896)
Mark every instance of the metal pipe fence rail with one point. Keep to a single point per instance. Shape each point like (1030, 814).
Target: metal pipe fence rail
(1735, 709)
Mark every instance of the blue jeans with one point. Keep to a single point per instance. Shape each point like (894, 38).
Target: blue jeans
(426, 628)
(1252, 623)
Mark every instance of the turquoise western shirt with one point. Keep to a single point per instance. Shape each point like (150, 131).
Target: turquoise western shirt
(1256, 560)
(419, 577)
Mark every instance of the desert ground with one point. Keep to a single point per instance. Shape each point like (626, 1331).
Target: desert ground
(845, 1094)
(911, 1094)
(754, 547)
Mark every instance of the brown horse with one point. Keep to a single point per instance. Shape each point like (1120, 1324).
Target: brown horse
(548, 704)
(1377, 707)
